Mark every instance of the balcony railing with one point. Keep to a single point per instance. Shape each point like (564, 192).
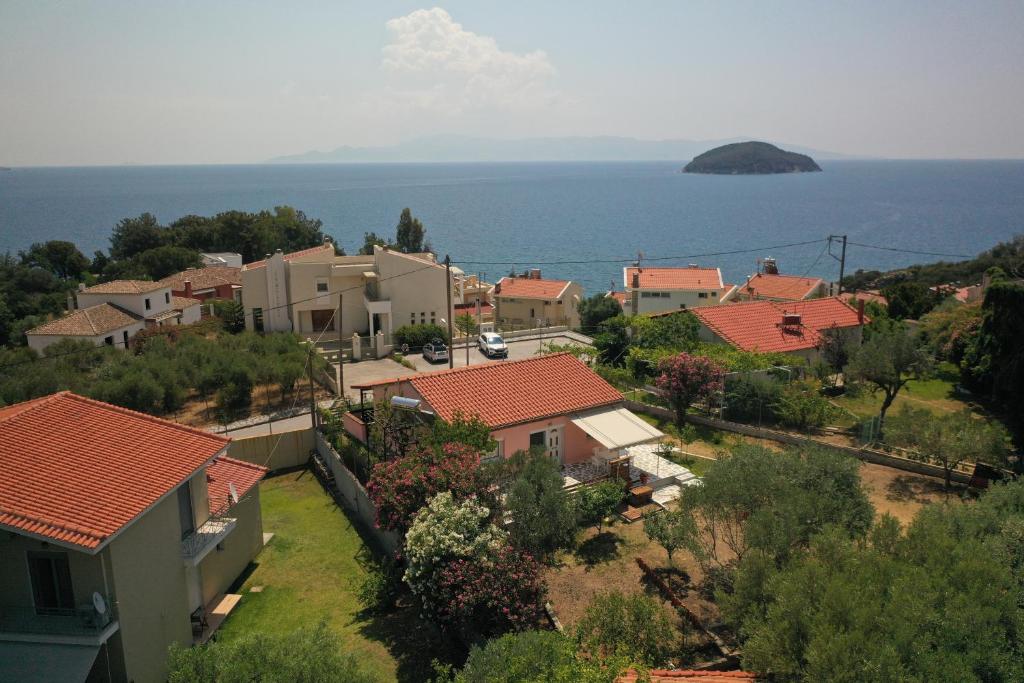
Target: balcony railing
(200, 542)
(85, 622)
(372, 292)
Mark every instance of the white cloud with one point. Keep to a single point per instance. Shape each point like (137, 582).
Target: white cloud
(434, 63)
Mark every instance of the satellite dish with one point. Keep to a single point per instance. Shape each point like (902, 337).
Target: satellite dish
(233, 493)
(99, 603)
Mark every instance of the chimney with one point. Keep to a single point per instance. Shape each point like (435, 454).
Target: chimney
(188, 289)
(71, 302)
(81, 286)
(860, 311)
(534, 273)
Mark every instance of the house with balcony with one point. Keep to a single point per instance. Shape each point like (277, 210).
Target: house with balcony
(660, 290)
(552, 402)
(113, 312)
(122, 533)
(209, 282)
(529, 300)
(383, 291)
(794, 328)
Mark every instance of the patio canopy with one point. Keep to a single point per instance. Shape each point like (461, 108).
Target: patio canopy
(616, 427)
(46, 662)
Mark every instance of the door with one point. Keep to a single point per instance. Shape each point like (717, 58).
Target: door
(555, 444)
(323, 319)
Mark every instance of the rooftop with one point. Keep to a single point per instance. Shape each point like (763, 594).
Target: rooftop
(674, 278)
(88, 322)
(530, 288)
(204, 278)
(180, 303)
(77, 471)
(757, 325)
(124, 287)
(224, 472)
(326, 249)
(784, 287)
(507, 393)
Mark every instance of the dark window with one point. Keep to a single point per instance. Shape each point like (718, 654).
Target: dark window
(537, 440)
(321, 286)
(109, 341)
(51, 583)
(148, 305)
(257, 319)
(125, 334)
(167, 297)
(532, 313)
(188, 522)
(322, 320)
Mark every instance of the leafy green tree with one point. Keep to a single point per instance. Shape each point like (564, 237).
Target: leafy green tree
(469, 431)
(133, 236)
(371, 240)
(595, 503)
(167, 260)
(910, 300)
(631, 626)
(595, 309)
(671, 529)
(800, 405)
(613, 340)
(231, 313)
(534, 657)
(409, 233)
(948, 440)
(60, 257)
(542, 513)
(311, 654)
(887, 361)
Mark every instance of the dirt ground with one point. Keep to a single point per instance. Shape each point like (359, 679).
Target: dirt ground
(194, 413)
(899, 493)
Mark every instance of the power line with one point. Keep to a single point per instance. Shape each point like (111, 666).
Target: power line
(910, 251)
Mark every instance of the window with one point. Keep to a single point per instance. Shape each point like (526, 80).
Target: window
(702, 295)
(532, 314)
(51, 583)
(109, 341)
(257, 319)
(538, 440)
(148, 305)
(412, 318)
(167, 297)
(188, 521)
(321, 285)
(125, 334)
(498, 453)
(433, 317)
(682, 306)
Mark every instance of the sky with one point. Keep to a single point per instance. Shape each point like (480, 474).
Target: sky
(168, 82)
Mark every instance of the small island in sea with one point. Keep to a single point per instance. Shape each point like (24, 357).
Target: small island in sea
(748, 158)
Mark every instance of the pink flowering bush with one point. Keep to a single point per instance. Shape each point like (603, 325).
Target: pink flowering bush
(401, 487)
(487, 597)
(683, 379)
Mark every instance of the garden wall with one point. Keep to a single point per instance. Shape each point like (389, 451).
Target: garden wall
(865, 454)
(354, 496)
(292, 449)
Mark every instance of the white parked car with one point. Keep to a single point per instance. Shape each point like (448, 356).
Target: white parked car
(492, 345)
(435, 351)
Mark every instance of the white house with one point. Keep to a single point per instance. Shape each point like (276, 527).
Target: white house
(659, 290)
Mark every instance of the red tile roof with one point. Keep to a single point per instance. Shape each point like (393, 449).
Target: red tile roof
(674, 278)
(78, 471)
(204, 278)
(508, 393)
(89, 322)
(530, 288)
(867, 295)
(780, 287)
(618, 296)
(224, 471)
(757, 325)
(326, 248)
(659, 675)
(124, 287)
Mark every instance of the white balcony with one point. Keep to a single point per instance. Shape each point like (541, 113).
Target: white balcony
(200, 542)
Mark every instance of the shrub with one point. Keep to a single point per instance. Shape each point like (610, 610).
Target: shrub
(752, 398)
(533, 656)
(418, 335)
(801, 405)
(633, 626)
(381, 585)
(597, 502)
(542, 513)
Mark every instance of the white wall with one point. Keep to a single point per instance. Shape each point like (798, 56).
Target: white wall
(677, 300)
(159, 300)
(38, 342)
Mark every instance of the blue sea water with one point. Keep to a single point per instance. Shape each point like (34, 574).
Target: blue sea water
(491, 216)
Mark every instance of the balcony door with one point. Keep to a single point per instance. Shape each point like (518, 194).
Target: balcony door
(51, 583)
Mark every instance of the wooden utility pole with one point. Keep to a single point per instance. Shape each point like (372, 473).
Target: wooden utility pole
(341, 355)
(841, 259)
(451, 310)
(312, 393)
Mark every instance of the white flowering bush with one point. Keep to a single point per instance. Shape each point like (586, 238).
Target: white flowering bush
(444, 531)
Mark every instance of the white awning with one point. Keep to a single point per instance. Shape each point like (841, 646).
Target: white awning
(46, 662)
(616, 428)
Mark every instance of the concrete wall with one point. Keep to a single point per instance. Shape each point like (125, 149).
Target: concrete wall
(148, 575)
(293, 449)
(526, 311)
(221, 567)
(677, 299)
(192, 314)
(414, 286)
(136, 303)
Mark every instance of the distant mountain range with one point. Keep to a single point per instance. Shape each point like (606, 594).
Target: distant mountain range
(452, 148)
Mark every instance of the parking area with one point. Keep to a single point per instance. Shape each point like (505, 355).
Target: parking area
(372, 370)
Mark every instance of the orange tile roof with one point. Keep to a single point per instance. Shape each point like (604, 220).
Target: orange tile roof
(124, 287)
(512, 392)
(866, 295)
(88, 322)
(782, 287)
(530, 288)
(224, 471)
(180, 303)
(77, 471)
(618, 296)
(325, 247)
(659, 675)
(204, 278)
(674, 278)
(757, 325)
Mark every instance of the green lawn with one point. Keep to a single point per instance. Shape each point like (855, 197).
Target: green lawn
(936, 394)
(311, 570)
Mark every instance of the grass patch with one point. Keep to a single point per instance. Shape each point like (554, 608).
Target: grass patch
(937, 394)
(312, 571)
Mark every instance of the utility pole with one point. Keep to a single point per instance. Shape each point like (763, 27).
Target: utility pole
(312, 394)
(341, 355)
(451, 310)
(841, 259)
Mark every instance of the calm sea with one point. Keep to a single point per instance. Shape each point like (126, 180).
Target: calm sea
(491, 216)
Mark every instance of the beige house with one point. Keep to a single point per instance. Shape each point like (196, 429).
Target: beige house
(111, 313)
(532, 301)
(122, 533)
(661, 290)
(777, 287)
(381, 292)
